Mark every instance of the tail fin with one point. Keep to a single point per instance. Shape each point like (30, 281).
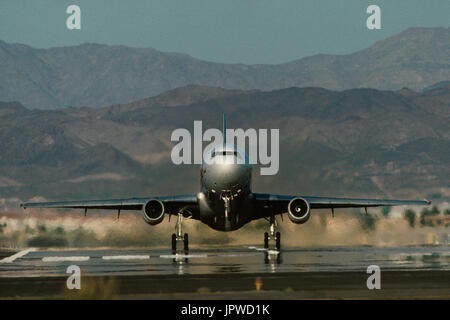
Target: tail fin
(224, 130)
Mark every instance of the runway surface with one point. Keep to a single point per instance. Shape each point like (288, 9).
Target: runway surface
(233, 272)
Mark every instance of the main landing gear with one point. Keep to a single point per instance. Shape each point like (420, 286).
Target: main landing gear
(179, 237)
(275, 237)
(272, 235)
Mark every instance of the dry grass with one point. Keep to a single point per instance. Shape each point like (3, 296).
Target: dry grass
(93, 288)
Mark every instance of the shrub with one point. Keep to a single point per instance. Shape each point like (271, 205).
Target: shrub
(385, 211)
(59, 231)
(410, 216)
(428, 213)
(367, 221)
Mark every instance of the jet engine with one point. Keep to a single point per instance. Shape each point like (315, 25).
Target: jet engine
(299, 210)
(153, 212)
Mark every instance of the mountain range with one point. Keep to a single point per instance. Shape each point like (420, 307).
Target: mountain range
(100, 75)
(357, 142)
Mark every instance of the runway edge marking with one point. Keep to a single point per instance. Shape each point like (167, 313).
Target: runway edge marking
(17, 255)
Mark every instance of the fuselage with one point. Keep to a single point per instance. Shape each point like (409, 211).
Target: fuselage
(225, 199)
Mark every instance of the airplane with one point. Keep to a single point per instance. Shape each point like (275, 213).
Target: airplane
(225, 201)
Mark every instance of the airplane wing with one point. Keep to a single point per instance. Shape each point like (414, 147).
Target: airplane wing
(277, 204)
(172, 204)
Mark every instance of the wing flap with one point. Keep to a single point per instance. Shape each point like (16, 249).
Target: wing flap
(328, 203)
(115, 204)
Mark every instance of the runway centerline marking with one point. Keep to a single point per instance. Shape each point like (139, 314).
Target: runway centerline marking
(61, 259)
(257, 249)
(265, 250)
(187, 256)
(18, 255)
(127, 257)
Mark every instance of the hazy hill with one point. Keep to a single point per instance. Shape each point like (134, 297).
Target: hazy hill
(101, 75)
(359, 142)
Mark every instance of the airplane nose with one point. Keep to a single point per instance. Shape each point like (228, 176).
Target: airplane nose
(228, 177)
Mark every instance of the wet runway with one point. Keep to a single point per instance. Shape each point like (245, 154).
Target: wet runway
(150, 271)
(249, 259)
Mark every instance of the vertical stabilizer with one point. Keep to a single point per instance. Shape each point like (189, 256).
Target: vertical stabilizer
(224, 129)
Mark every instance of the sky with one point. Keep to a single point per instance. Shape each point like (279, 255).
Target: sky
(228, 31)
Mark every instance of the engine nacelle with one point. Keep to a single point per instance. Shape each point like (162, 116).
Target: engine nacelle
(153, 212)
(299, 210)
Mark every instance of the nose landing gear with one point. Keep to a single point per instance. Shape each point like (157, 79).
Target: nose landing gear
(227, 205)
(178, 236)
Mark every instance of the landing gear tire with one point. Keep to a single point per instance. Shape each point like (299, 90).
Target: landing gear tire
(174, 243)
(186, 243)
(266, 240)
(278, 241)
